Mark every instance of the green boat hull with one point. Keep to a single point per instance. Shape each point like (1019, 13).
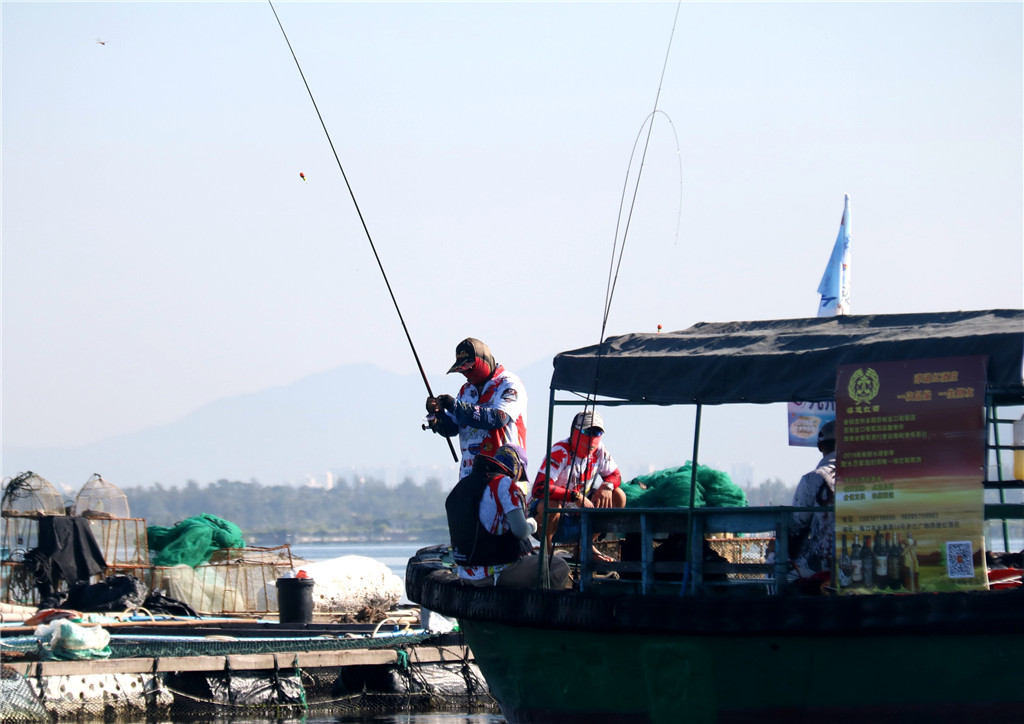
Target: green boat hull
(540, 675)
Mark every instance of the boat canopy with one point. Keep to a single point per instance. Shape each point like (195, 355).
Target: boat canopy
(783, 360)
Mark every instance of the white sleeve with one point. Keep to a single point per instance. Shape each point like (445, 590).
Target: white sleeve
(520, 524)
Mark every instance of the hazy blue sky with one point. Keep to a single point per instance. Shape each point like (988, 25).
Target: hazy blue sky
(160, 250)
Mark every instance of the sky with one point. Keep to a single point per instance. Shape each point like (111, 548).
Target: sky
(161, 251)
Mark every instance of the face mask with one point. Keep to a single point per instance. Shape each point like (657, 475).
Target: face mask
(478, 373)
(583, 445)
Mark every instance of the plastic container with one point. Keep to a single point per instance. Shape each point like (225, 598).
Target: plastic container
(295, 600)
(1018, 455)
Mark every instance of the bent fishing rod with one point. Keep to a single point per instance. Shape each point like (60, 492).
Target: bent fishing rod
(359, 212)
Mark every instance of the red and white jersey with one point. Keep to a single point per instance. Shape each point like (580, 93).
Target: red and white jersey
(505, 392)
(500, 496)
(572, 474)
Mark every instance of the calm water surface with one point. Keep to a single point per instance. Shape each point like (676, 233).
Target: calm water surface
(394, 556)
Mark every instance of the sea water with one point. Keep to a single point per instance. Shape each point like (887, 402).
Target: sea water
(394, 556)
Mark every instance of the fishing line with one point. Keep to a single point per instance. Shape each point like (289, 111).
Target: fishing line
(625, 184)
(360, 214)
(613, 276)
(613, 271)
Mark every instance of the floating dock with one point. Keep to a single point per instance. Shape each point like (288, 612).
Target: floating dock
(243, 668)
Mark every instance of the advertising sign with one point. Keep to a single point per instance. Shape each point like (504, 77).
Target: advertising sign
(910, 444)
(806, 418)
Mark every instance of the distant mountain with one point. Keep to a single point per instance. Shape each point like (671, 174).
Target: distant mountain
(359, 420)
(352, 420)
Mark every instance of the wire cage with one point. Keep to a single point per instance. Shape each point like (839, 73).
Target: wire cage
(122, 540)
(101, 499)
(29, 495)
(235, 580)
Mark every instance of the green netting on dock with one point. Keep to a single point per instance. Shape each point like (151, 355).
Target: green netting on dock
(670, 488)
(193, 540)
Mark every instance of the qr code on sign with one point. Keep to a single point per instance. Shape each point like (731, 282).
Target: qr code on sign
(959, 559)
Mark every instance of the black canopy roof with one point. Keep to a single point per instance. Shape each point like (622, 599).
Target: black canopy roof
(788, 359)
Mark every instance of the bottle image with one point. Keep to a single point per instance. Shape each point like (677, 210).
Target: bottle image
(867, 557)
(910, 572)
(845, 565)
(881, 561)
(857, 565)
(895, 563)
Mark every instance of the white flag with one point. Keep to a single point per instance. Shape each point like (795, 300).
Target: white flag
(835, 282)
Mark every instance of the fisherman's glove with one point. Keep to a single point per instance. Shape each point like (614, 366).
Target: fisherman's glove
(482, 418)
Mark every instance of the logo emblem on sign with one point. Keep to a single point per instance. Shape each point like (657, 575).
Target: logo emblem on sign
(863, 385)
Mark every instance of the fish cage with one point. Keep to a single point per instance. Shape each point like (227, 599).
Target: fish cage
(234, 581)
(27, 497)
(123, 542)
(748, 549)
(30, 495)
(100, 499)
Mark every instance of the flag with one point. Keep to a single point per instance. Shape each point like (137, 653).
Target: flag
(835, 282)
(806, 418)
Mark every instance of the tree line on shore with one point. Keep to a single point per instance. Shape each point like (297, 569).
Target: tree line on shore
(274, 514)
(367, 509)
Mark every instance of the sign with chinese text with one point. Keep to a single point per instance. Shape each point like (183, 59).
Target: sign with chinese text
(910, 444)
(806, 418)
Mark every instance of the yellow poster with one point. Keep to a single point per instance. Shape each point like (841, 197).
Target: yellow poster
(910, 453)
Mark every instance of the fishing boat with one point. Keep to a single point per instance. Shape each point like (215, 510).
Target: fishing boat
(705, 640)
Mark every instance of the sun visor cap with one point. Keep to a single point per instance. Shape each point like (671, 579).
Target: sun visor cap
(587, 420)
(467, 351)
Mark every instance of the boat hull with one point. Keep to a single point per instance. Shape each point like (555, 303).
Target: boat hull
(566, 657)
(568, 677)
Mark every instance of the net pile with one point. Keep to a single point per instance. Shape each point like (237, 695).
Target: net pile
(670, 488)
(193, 540)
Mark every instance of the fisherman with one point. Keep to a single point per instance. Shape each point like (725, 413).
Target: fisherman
(489, 530)
(575, 463)
(812, 535)
(490, 410)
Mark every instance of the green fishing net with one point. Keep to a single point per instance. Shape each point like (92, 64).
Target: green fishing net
(193, 540)
(671, 489)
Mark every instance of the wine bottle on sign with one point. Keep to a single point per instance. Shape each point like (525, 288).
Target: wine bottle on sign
(910, 572)
(895, 563)
(857, 574)
(845, 565)
(867, 557)
(881, 561)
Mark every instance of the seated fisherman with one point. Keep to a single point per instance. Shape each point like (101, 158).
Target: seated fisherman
(575, 463)
(489, 529)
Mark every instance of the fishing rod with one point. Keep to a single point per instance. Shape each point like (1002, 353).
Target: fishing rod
(359, 212)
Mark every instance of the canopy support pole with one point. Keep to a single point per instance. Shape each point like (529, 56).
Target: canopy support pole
(693, 550)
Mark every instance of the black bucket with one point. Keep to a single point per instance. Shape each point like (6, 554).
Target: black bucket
(295, 600)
